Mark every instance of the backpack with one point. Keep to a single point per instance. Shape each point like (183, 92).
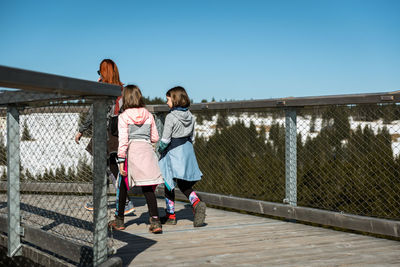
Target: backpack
(113, 116)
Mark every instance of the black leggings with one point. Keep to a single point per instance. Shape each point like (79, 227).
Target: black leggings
(186, 188)
(123, 193)
(148, 193)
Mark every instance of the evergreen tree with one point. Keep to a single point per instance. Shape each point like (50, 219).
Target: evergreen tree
(29, 176)
(60, 174)
(4, 175)
(312, 123)
(222, 120)
(71, 175)
(3, 152)
(84, 170)
(154, 101)
(26, 135)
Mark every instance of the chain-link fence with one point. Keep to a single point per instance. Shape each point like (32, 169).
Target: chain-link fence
(49, 161)
(348, 160)
(51, 164)
(55, 190)
(348, 156)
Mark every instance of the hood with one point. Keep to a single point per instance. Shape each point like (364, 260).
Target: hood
(185, 117)
(139, 115)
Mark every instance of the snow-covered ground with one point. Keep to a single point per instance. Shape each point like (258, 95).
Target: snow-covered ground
(208, 127)
(53, 136)
(53, 142)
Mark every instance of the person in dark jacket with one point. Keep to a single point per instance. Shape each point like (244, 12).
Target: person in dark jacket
(109, 73)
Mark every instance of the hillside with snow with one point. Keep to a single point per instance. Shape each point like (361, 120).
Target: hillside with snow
(53, 135)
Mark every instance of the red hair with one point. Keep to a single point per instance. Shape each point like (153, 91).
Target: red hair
(109, 72)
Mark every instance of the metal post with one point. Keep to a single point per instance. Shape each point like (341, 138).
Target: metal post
(100, 181)
(13, 183)
(291, 157)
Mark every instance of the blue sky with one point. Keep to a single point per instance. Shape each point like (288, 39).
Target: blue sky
(229, 50)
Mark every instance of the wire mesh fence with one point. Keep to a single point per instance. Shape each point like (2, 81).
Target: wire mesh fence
(348, 160)
(56, 173)
(241, 153)
(348, 156)
(50, 159)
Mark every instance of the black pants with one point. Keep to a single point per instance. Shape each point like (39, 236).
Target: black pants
(122, 195)
(123, 190)
(186, 188)
(148, 193)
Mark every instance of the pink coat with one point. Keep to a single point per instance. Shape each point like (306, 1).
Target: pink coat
(136, 131)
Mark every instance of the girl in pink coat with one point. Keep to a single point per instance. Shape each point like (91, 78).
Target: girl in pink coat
(136, 133)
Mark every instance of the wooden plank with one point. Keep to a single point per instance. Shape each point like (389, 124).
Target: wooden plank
(345, 221)
(233, 239)
(254, 241)
(330, 218)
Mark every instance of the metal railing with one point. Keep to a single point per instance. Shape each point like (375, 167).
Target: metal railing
(39, 160)
(332, 160)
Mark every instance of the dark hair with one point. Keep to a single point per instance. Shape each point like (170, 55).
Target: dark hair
(132, 97)
(179, 97)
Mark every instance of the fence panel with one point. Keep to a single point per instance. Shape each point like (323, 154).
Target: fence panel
(348, 156)
(56, 175)
(348, 159)
(242, 153)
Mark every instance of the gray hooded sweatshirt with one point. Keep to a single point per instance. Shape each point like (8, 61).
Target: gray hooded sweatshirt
(178, 124)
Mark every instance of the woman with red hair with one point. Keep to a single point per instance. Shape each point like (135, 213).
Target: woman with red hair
(109, 73)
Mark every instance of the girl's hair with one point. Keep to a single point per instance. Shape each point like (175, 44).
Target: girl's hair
(179, 97)
(109, 72)
(132, 97)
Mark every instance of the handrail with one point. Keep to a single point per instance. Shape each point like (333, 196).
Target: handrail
(49, 83)
(373, 98)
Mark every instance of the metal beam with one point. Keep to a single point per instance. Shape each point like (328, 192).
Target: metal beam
(24, 97)
(54, 243)
(386, 97)
(56, 84)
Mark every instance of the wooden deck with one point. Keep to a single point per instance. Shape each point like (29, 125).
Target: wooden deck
(234, 239)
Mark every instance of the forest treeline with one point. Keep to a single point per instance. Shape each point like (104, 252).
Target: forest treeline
(352, 171)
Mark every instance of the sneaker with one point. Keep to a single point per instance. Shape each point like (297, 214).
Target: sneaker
(169, 219)
(129, 208)
(117, 223)
(199, 214)
(89, 206)
(155, 226)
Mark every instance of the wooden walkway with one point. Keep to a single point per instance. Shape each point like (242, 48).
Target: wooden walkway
(234, 239)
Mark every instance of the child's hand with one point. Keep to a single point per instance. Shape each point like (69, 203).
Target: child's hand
(78, 137)
(121, 169)
(162, 147)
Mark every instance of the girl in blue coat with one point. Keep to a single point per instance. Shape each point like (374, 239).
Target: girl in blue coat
(178, 162)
